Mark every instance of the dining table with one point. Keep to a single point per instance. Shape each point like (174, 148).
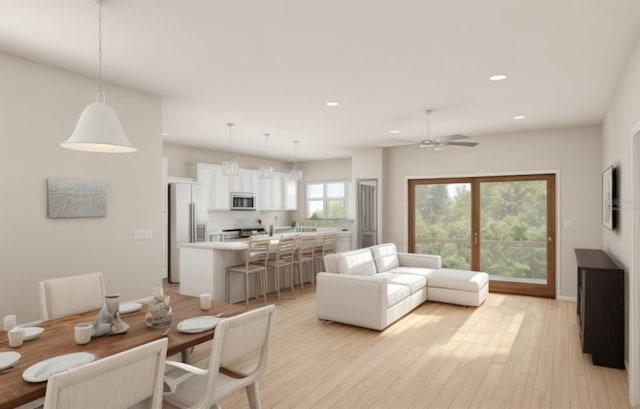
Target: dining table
(58, 338)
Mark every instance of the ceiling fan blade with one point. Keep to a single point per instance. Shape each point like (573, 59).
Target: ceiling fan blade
(449, 138)
(462, 143)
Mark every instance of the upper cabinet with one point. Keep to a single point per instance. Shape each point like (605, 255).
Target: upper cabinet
(279, 193)
(216, 182)
(246, 181)
(290, 193)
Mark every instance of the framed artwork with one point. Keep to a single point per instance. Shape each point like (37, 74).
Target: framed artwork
(609, 198)
(69, 198)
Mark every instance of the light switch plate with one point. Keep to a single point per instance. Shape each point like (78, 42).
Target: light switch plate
(142, 234)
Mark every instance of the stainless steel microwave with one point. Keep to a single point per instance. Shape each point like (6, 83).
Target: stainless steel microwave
(243, 201)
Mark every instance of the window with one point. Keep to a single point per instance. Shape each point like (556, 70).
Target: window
(327, 200)
(503, 225)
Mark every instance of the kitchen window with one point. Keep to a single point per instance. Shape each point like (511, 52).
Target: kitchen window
(327, 200)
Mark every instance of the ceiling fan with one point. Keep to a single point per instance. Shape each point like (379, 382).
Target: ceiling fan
(439, 143)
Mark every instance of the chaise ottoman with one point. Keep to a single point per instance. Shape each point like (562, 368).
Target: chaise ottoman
(458, 286)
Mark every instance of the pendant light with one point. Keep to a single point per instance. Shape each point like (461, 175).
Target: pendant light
(230, 167)
(98, 129)
(295, 173)
(265, 171)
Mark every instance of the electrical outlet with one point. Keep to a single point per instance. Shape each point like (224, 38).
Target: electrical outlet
(142, 234)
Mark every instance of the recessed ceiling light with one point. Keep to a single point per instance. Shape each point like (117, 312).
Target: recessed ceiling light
(332, 104)
(498, 77)
(519, 117)
(394, 131)
(165, 133)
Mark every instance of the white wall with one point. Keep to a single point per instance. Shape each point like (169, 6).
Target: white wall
(39, 107)
(622, 115)
(570, 151)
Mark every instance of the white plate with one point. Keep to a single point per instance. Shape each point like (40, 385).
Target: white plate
(8, 359)
(32, 333)
(127, 307)
(42, 370)
(198, 324)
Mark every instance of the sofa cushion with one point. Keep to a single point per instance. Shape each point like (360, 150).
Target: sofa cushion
(414, 281)
(385, 256)
(423, 272)
(396, 293)
(356, 262)
(458, 279)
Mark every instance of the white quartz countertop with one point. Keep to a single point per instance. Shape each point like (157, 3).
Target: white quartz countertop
(244, 244)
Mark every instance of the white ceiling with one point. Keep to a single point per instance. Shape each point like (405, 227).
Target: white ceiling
(270, 65)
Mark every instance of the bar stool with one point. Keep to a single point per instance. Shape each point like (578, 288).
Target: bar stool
(255, 263)
(282, 259)
(305, 248)
(328, 247)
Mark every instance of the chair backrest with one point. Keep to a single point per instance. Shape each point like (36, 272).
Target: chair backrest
(71, 295)
(258, 251)
(329, 244)
(306, 247)
(286, 248)
(237, 338)
(118, 381)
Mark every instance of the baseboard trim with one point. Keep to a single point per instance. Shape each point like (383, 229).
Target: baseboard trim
(566, 298)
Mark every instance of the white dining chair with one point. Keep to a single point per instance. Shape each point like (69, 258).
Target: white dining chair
(64, 296)
(129, 379)
(239, 355)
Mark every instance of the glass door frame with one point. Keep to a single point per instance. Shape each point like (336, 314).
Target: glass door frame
(539, 290)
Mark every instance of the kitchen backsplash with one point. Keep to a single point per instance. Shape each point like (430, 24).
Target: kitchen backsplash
(220, 220)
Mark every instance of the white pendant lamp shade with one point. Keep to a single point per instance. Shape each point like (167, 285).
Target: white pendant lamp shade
(99, 130)
(230, 167)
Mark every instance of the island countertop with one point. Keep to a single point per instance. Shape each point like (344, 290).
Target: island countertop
(203, 264)
(243, 244)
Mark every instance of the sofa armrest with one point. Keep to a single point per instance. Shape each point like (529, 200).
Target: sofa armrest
(352, 299)
(419, 260)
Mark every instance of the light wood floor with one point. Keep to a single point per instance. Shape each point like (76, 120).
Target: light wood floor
(512, 352)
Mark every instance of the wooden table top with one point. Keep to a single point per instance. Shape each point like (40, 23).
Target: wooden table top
(58, 339)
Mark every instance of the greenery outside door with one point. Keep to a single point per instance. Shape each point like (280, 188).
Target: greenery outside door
(503, 225)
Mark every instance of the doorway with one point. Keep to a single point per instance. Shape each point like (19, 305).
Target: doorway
(502, 225)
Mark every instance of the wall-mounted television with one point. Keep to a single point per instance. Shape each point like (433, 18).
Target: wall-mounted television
(609, 198)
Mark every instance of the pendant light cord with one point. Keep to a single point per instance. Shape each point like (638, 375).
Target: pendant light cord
(100, 92)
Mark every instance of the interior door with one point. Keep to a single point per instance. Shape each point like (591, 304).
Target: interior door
(367, 212)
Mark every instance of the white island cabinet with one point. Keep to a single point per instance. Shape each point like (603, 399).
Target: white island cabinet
(203, 267)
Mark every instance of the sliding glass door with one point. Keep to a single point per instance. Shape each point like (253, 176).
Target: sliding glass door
(504, 226)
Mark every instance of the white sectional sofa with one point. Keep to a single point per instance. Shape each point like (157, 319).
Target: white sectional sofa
(375, 286)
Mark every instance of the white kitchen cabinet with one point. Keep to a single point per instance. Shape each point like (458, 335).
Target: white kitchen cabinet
(290, 188)
(270, 193)
(220, 188)
(216, 182)
(246, 181)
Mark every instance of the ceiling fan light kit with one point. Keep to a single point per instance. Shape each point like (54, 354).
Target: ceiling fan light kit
(440, 142)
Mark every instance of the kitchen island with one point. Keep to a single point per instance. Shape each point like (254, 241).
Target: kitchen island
(203, 265)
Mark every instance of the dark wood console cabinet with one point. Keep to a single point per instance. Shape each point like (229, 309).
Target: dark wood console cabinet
(601, 307)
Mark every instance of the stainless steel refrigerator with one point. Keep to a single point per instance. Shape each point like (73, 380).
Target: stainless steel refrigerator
(188, 218)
